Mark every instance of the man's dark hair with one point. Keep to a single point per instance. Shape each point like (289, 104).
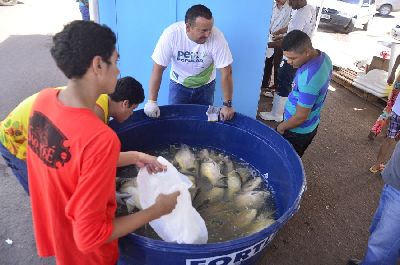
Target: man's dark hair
(128, 88)
(78, 43)
(197, 11)
(296, 41)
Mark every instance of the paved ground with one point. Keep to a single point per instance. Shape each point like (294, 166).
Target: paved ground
(336, 210)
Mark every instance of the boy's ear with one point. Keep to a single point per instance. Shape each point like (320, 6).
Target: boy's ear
(97, 63)
(125, 103)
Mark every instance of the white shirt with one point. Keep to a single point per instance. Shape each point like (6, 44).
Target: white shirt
(192, 64)
(279, 19)
(303, 19)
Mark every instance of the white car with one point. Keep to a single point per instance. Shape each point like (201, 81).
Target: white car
(385, 7)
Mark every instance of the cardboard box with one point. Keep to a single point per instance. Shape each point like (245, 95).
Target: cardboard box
(378, 63)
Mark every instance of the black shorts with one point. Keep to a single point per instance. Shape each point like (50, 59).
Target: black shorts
(300, 141)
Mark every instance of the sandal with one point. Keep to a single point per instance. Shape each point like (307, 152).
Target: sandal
(375, 169)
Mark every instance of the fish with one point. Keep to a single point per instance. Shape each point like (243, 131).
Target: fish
(262, 221)
(185, 159)
(244, 218)
(227, 165)
(251, 199)
(211, 196)
(204, 154)
(244, 173)
(130, 187)
(252, 184)
(234, 184)
(212, 171)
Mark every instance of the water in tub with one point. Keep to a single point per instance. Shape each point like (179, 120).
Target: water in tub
(229, 194)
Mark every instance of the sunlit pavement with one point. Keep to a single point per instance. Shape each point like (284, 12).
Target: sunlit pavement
(346, 49)
(36, 17)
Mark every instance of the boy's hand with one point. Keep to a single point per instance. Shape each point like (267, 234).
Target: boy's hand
(165, 203)
(150, 162)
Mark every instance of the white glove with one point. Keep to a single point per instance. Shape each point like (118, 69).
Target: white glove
(151, 109)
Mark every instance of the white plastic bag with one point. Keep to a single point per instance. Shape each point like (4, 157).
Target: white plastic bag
(184, 224)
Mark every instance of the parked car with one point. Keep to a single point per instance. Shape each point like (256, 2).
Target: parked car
(346, 14)
(385, 7)
(8, 2)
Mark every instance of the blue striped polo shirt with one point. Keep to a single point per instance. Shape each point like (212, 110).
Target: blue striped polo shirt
(310, 87)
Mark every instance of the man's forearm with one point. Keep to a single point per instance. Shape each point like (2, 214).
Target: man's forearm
(227, 83)
(155, 81)
(293, 122)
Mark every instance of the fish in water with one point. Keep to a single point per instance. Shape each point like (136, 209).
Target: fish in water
(211, 170)
(251, 199)
(204, 197)
(244, 218)
(262, 221)
(234, 184)
(252, 184)
(130, 188)
(226, 165)
(185, 159)
(244, 173)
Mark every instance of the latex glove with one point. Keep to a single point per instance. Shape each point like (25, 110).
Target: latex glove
(151, 109)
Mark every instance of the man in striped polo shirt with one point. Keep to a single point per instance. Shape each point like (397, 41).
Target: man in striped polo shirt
(310, 87)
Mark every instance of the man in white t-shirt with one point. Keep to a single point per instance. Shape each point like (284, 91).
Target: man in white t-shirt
(195, 48)
(280, 19)
(303, 18)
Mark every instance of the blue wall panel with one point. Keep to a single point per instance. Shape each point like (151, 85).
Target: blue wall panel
(108, 14)
(245, 26)
(140, 24)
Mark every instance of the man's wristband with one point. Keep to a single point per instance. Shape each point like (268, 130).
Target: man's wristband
(227, 103)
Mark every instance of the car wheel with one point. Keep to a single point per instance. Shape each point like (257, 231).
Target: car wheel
(385, 10)
(8, 2)
(349, 28)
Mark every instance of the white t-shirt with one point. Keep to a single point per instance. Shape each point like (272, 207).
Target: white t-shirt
(303, 19)
(193, 64)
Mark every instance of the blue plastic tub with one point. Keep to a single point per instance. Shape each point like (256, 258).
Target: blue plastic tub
(243, 137)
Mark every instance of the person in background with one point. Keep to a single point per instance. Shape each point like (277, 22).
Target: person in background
(384, 240)
(119, 105)
(279, 19)
(383, 118)
(391, 137)
(84, 9)
(310, 88)
(195, 48)
(302, 18)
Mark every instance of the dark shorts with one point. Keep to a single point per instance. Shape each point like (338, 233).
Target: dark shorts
(17, 166)
(300, 141)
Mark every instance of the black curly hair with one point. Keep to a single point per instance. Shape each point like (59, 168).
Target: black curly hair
(128, 88)
(78, 43)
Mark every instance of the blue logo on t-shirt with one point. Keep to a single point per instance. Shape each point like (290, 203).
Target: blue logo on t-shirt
(190, 57)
